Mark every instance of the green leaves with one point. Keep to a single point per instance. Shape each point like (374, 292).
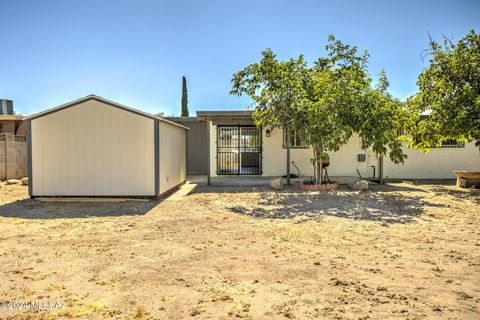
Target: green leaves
(274, 86)
(449, 92)
(327, 102)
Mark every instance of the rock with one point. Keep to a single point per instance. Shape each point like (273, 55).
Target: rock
(25, 181)
(360, 185)
(276, 183)
(12, 181)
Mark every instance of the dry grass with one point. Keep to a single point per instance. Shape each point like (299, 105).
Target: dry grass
(399, 251)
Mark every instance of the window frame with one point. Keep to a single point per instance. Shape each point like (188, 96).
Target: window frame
(448, 144)
(295, 136)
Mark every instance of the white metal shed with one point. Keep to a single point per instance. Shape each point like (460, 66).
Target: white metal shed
(93, 147)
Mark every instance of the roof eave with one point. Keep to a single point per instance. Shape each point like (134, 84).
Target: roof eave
(103, 100)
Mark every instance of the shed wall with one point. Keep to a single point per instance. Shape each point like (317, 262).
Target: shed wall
(92, 149)
(173, 165)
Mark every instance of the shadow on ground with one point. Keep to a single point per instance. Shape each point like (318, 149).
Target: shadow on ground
(35, 209)
(471, 194)
(382, 207)
(291, 189)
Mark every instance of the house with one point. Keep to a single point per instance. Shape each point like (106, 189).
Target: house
(236, 147)
(96, 147)
(9, 121)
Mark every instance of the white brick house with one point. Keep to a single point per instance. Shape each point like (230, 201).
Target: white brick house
(238, 148)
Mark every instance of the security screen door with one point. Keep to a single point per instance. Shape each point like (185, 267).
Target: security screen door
(239, 150)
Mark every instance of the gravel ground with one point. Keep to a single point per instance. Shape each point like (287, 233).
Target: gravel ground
(399, 251)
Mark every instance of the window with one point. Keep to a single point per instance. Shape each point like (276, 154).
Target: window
(296, 140)
(451, 144)
(400, 132)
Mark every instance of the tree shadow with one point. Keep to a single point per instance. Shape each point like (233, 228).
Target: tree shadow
(457, 192)
(290, 189)
(35, 209)
(381, 207)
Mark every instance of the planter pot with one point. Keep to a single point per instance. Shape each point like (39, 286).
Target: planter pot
(315, 187)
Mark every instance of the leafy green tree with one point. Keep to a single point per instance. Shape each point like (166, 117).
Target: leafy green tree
(276, 89)
(326, 102)
(184, 98)
(449, 91)
(334, 88)
(379, 120)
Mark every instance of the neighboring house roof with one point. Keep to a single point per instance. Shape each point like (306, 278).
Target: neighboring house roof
(103, 100)
(225, 113)
(12, 117)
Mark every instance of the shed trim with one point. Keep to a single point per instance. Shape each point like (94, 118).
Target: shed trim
(156, 141)
(29, 158)
(103, 100)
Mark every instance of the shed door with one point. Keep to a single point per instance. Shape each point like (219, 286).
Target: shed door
(239, 150)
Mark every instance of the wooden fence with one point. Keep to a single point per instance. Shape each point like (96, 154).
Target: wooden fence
(13, 156)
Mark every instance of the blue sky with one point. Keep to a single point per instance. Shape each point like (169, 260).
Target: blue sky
(135, 52)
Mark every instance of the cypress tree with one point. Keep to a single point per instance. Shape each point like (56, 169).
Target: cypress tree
(184, 98)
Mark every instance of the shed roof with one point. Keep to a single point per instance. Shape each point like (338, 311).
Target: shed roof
(103, 100)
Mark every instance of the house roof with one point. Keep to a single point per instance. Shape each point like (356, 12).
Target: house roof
(103, 100)
(184, 119)
(225, 113)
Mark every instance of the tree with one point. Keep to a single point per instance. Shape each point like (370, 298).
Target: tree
(449, 91)
(326, 103)
(380, 118)
(334, 88)
(276, 90)
(184, 98)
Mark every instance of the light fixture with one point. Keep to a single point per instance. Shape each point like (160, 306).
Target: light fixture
(267, 133)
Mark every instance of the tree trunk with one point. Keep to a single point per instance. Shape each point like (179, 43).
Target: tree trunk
(287, 133)
(380, 173)
(320, 168)
(318, 164)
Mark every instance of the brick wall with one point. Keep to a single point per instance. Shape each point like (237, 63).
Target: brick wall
(7, 126)
(13, 157)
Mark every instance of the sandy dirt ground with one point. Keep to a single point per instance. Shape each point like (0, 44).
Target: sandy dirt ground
(399, 251)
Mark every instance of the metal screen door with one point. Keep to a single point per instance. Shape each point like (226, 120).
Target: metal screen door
(239, 150)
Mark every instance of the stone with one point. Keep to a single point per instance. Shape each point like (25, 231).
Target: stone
(12, 181)
(359, 185)
(25, 181)
(276, 183)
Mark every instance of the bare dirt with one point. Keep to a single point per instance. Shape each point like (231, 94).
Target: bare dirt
(399, 251)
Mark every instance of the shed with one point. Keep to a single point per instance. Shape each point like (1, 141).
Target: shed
(93, 147)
